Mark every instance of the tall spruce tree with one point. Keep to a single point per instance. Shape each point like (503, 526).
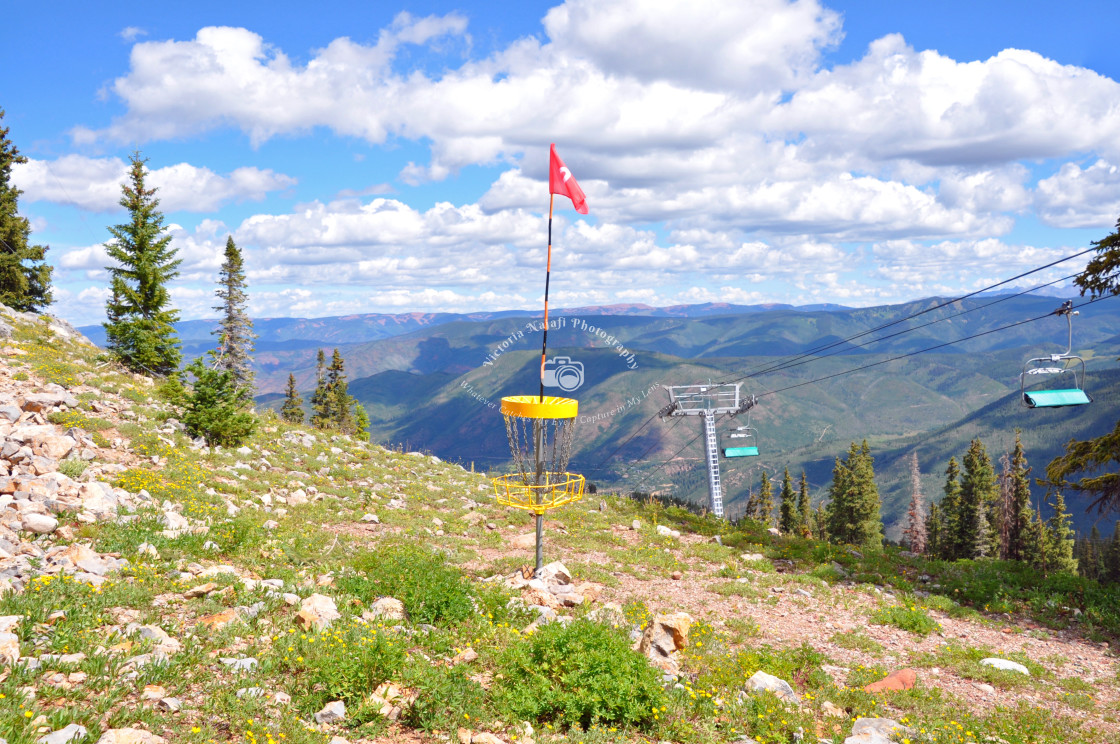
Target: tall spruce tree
(787, 509)
(978, 496)
(1021, 512)
(25, 278)
(952, 528)
(139, 331)
(916, 516)
(1111, 568)
(934, 532)
(1035, 542)
(320, 400)
(1059, 539)
(804, 508)
(340, 406)
(235, 328)
(854, 504)
(292, 410)
(765, 508)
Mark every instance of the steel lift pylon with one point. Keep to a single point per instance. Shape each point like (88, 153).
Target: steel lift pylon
(709, 401)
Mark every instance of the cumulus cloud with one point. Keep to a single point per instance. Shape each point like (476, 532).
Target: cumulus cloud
(95, 184)
(1077, 197)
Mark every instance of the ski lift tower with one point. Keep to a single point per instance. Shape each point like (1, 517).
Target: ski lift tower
(708, 401)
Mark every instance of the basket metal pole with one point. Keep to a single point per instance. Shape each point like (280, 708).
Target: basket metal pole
(540, 546)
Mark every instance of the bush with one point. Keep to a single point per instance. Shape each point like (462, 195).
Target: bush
(432, 591)
(72, 468)
(579, 674)
(447, 698)
(913, 619)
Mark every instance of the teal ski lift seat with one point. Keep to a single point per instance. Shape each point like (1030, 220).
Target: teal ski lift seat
(1070, 387)
(740, 442)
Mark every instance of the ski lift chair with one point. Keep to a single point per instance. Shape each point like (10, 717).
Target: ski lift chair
(1067, 386)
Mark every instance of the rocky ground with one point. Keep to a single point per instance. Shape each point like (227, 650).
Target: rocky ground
(152, 589)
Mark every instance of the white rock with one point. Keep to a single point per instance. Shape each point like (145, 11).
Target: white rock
(64, 735)
(41, 524)
(1005, 664)
(331, 712)
(762, 681)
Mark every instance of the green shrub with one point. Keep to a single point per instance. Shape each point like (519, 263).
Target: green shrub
(447, 698)
(72, 468)
(78, 420)
(432, 591)
(344, 662)
(578, 674)
(913, 619)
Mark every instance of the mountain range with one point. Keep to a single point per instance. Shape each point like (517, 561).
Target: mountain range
(433, 382)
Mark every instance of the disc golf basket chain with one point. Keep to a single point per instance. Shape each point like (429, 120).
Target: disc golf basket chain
(540, 432)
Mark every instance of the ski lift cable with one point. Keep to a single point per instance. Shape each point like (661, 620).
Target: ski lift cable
(849, 339)
(875, 364)
(628, 439)
(928, 348)
(781, 366)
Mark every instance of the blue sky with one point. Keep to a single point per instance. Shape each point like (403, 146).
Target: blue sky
(391, 157)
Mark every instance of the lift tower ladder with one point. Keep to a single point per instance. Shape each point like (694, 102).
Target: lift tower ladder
(709, 401)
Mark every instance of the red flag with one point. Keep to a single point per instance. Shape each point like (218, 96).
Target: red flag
(560, 181)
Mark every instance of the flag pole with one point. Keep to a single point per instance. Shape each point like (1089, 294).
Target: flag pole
(547, 275)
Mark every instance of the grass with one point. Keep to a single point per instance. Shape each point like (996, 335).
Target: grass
(912, 619)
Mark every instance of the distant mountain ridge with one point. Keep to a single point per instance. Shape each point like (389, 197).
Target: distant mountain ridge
(295, 333)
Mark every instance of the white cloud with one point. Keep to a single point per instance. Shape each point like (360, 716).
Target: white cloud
(1076, 197)
(132, 33)
(95, 184)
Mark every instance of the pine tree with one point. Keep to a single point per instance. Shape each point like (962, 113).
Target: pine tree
(787, 509)
(820, 522)
(916, 516)
(804, 508)
(1111, 568)
(750, 510)
(235, 328)
(320, 399)
(934, 532)
(215, 407)
(140, 333)
(951, 534)
(1020, 499)
(854, 503)
(1034, 550)
(1093, 565)
(978, 486)
(765, 509)
(361, 419)
(292, 410)
(1059, 539)
(25, 278)
(340, 405)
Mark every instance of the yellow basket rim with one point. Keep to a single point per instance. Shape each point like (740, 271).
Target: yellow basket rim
(536, 407)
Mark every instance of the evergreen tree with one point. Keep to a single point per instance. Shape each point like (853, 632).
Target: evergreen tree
(978, 491)
(320, 399)
(1034, 549)
(820, 522)
(1111, 567)
(361, 419)
(750, 510)
(25, 278)
(934, 532)
(1093, 565)
(804, 508)
(215, 408)
(292, 410)
(1059, 539)
(854, 504)
(139, 331)
(765, 509)
(1021, 511)
(915, 530)
(951, 535)
(235, 328)
(787, 509)
(339, 403)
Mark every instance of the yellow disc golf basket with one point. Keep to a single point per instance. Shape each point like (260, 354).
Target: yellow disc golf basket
(540, 431)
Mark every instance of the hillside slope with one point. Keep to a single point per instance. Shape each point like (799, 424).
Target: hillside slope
(307, 586)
